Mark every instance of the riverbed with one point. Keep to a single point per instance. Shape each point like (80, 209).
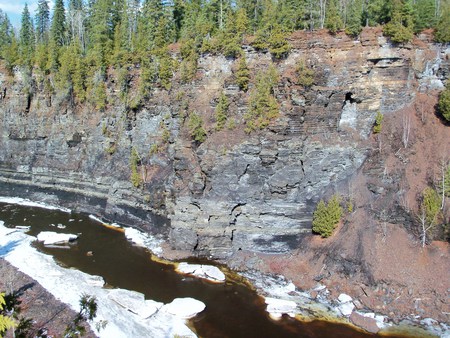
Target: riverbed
(232, 309)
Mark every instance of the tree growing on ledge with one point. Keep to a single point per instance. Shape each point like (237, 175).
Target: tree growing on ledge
(263, 106)
(444, 102)
(196, 130)
(327, 216)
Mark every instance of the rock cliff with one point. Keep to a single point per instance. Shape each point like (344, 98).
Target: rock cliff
(235, 191)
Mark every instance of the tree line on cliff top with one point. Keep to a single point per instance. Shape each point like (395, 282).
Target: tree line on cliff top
(77, 42)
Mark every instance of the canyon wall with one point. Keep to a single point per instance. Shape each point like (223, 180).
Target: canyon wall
(236, 190)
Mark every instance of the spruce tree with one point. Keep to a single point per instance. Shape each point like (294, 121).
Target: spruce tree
(242, 74)
(26, 45)
(58, 28)
(222, 111)
(42, 20)
(401, 27)
(442, 33)
(333, 21)
(6, 33)
(354, 17)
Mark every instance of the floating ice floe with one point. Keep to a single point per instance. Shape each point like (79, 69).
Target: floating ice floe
(134, 317)
(50, 238)
(28, 203)
(184, 307)
(277, 307)
(135, 302)
(208, 272)
(143, 240)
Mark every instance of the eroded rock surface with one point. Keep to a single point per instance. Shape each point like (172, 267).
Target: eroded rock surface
(235, 191)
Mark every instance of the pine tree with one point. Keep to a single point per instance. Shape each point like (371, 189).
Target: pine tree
(222, 111)
(290, 14)
(58, 28)
(6, 33)
(333, 21)
(327, 216)
(42, 20)
(444, 102)
(354, 17)
(278, 45)
(26, 45)
(196, 130)
(442, 33)
(400, 28)
(262, 106)
(424, 14)
(242, 74)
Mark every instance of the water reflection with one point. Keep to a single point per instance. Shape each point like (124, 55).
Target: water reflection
(232, 310)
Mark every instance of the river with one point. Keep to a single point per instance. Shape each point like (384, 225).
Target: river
(232, 309)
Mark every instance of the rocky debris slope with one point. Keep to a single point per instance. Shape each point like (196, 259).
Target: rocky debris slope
(235, 191)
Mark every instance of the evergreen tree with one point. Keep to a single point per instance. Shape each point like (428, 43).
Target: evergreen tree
(278, 45)
(196, 130)
(400, 28)
(6, 33)
(424, 14)
(58, 28)
(263, 106)
(151, 14)
(242, 74)
(222, 111)
(26, 45)
(444, 102)
(442, 33)
(290, 14)
(327, 216)
(11, 53)
(354, 17)
(333, 21)
(42, 20)
(377, 12)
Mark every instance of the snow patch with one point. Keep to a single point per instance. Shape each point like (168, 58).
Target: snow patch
(68, 285)
(28, 203)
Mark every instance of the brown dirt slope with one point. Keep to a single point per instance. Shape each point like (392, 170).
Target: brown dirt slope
(376, 255)
(37, 304)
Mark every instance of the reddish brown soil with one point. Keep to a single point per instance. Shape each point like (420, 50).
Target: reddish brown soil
(381, 264)
(37, 303)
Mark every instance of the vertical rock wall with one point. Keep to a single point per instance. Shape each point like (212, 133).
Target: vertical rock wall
(235, 191)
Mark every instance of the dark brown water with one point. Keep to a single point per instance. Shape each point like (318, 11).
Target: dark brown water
(232, 310)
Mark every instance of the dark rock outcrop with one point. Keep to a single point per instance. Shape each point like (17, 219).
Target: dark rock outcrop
(235, 191)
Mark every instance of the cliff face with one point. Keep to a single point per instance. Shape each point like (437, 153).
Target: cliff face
(235, 191)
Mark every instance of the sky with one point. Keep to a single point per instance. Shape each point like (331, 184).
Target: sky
(14, 8)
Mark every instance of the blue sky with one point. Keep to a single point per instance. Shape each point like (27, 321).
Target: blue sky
(14, 8)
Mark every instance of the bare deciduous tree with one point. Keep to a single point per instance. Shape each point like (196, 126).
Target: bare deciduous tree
(406, 127)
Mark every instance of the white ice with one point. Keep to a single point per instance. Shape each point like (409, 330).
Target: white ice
(208, 272)
(50, 237)
(143, 240)
(129, 316)
(277, 307)
(28, 203)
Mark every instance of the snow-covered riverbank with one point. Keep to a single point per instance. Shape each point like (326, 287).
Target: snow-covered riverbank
(128, 315)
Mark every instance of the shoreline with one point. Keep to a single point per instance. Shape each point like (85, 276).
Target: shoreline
(307, 308)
